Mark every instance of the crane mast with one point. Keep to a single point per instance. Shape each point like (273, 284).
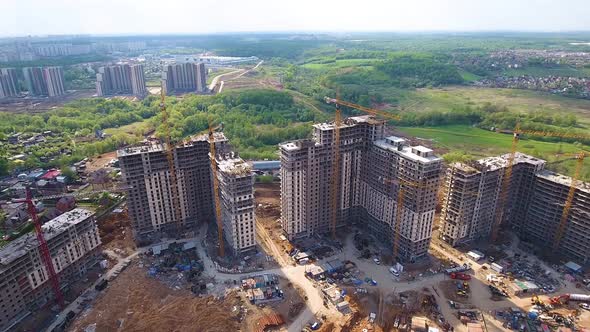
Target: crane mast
(569, 201)
(335, 172)
(505, 186)
(216, 192)
(172, 169)
(44, 248)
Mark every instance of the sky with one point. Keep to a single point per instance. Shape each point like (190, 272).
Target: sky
(42, 17)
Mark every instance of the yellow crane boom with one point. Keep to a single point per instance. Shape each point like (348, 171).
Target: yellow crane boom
(337, 101)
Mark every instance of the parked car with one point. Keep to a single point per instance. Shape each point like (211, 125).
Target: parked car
(377, 261)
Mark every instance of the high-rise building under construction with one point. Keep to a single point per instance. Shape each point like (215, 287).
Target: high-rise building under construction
(373, 171)
(535, 202)
(152, 208)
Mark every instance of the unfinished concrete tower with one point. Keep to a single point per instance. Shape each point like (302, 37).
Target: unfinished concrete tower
(372, 166)
(544, 214)
(74, 245)
(471, 194)
(236, 193)
(145, 169)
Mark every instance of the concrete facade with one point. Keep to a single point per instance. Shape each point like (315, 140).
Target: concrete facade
(471, 196)
(236, 193)
(9, 86)
(46, 81)
(74, 245)
(184, 77)
(121, 79)
(145, 169)
(544, 214)
(373, 168)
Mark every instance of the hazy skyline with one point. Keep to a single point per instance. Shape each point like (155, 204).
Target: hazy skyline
(42, 17)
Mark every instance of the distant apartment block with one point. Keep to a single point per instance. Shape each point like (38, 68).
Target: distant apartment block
(184, 77)
(121, 79)
(9, 86)
(373, 170)
(150, 200)
(74, 246)
(236, 193)
(119, 47)
(472, 191)
(47, 81)
(57, 50)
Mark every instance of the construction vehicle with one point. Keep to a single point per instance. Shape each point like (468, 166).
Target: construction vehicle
(218, 218)
(560, 300)
(460, 276)
(336, 160)
(171, 168)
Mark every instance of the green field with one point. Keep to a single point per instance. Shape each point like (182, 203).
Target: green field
(516, 100)
(469, 77)
(547, 71)
(482, 143)
(341, 64)
(136, 129)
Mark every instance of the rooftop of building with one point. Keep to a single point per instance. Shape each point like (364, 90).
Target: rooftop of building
(234, 166)
(494, 163)
(417, 153)
(52, 228)
(563, 179)
(350, 122)
(156, 147)
(464, 168)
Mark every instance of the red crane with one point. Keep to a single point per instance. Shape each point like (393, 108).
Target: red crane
(43, 248)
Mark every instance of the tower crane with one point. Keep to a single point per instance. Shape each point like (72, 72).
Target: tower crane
(218, 218)
(43, 247)
(170, 157)
(569, 201)
(336, 160)
(505, 186)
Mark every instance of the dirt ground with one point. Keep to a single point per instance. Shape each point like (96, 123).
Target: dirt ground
(100, 161)
(135, 302)
(268, 212)
(449, 289)
(40, 105)
(293, 303)
(116, 234)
